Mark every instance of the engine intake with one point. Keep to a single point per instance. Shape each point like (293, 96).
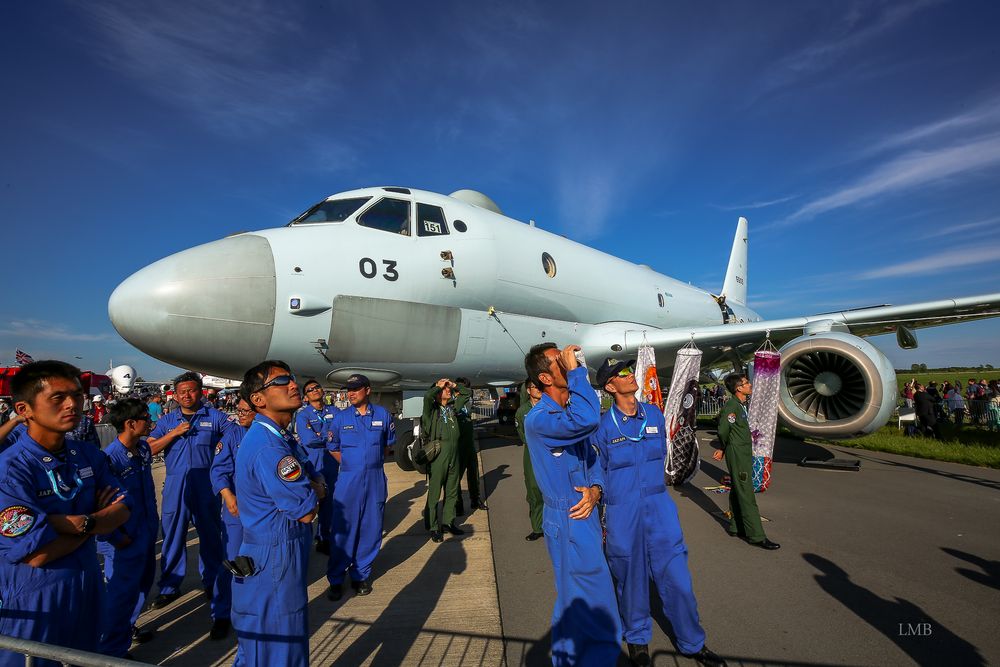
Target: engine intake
(835, 385)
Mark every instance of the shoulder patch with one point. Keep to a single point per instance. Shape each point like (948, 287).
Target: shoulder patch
(218, 448)
(731, 417)
(289, 469)
(16, 520)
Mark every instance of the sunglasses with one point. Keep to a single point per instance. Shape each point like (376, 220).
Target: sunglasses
(280, 381)
(314, 388)
(625, 372)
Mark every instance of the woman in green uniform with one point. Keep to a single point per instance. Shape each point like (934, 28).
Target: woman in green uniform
(439, 422)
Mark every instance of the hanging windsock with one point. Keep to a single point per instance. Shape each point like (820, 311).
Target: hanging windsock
(681, 414)
(763, 413)
(645, 375)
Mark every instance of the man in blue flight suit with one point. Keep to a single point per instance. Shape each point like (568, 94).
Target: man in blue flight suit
(312, 426)
(222, 475)
(130, 551)
(644, 538)
(586, 629)
(189, 437)
(10, 431)
(55, 494)
(360, 435)
(277, 504)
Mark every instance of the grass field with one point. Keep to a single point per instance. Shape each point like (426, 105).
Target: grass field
(946, 376)
(973, 445)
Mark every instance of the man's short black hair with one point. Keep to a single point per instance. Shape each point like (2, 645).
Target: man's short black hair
(535, 362)
(125, 409)
(463, 381)
(189, 376)
(254, 379)
(733, 380)
(32, 377)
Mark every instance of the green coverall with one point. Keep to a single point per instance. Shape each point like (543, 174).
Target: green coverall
(468, 461)
(734, 433)
(534, 494)
(441, 424)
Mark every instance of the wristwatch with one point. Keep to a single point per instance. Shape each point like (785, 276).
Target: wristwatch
(88, 524)
(599, 488)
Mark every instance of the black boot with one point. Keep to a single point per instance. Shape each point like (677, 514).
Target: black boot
(638, 655)
(707, 658)
(453, 529)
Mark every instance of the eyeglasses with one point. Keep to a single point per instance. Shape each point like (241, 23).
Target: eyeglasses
(280, 381)
(625, 372)
(312, 389)
(242, 411)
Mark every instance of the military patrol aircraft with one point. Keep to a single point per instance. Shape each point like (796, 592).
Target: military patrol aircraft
(407, 286)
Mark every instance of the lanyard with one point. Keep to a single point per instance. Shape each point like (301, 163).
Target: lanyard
(642, 429)
(293, 445)
(58, 484)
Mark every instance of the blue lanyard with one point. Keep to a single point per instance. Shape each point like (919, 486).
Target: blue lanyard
(58, 484)
(293, 445)
(642, 429)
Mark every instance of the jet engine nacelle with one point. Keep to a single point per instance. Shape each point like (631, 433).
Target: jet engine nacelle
(835, 385)
(123, 378)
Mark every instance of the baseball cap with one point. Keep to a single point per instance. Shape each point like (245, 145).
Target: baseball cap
(357, 381)
(611, 368)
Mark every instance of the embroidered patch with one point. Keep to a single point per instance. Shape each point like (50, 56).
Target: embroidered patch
(86, 472)
(328, 417)
(652, 429)
(45, 493)
(376, 423)
(617, 440)
(289, 469)
(205, 424)
(731, 417)
(218, 449)
(348, 428)
(16, 520)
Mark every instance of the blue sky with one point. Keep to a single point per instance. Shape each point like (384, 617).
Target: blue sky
(861, 139)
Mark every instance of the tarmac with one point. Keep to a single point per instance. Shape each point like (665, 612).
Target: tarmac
(896, 564)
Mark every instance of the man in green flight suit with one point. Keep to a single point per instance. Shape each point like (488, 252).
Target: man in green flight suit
(737, 446)
(439, 422)
(530, 394)
(468, 459)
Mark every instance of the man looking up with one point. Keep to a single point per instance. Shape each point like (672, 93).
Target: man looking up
(586, 629)
(277, 503)
(129, 552)
(644, 538)
(360, 436)
(188, 437)
(468, 458)
(55, 494)
(312, 425)
(530, 395)
(737, 447)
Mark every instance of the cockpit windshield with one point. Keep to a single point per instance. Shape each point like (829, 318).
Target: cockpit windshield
(331, 210)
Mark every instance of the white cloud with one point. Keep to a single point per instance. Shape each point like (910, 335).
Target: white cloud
(31, 329)
(986, 114)
(585, 196)
(948, 229)
(955, 259)
(915, 169)
(755, 205)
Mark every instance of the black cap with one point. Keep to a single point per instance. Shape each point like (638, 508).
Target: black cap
(357, 381)
(610, 368)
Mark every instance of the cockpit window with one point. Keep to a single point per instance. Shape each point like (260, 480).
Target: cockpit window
(389, 215)
(332, 210)
(430, 221)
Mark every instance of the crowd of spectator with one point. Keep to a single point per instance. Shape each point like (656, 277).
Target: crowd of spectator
(972, 402)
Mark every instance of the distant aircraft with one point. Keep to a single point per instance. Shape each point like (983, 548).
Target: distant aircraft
(408, 286)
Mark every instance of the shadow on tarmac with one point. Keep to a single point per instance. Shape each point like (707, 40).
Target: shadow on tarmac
(990, 575)
(979, 481)
(914, 631)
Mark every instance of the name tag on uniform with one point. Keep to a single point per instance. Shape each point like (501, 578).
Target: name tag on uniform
(205, 424)
(86, 472)
(328, 417)
(44, 493)
(652, 429)
(376, 423)
(617, 440)
(348, 428)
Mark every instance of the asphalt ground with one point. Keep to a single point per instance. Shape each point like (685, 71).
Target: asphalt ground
(896, 564)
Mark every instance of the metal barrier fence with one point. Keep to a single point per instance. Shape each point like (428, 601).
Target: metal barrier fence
(67, 656)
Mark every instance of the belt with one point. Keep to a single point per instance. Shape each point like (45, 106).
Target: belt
(642, 493)
(345, 466)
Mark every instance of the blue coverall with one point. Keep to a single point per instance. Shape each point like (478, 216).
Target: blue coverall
(586, 629)
(54, 603)
(644, 538)
(12, 437)
(270, 608)
(129, 571)
(222, 474)
(187, 496)
(360, 495)
(312, 426)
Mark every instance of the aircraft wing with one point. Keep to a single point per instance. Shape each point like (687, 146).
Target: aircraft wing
(738, 340)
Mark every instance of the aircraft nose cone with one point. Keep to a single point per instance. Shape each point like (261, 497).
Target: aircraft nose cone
(210, 308)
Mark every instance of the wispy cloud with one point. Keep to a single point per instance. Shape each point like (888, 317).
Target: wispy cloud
(220, 61)
(955, 259)
(987, 114)
(755, 205)
(947, 229)
(913, 170)
(585, 196)
(32, 329)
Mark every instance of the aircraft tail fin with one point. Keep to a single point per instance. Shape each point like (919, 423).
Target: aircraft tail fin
(734, 288)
